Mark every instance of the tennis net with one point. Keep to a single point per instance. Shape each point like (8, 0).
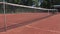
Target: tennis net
(16, 8)
(21, 15)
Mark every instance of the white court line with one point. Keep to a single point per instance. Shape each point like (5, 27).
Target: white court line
(43, 29)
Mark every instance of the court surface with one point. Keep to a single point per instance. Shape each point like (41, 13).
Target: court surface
(32, 23)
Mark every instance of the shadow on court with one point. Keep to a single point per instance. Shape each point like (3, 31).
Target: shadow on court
(23, 24)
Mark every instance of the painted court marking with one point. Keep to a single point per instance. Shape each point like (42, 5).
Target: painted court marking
(42, 29)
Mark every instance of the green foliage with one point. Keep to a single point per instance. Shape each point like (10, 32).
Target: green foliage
(46, 4)
(1, 0)
(29, 2)
(17, 1)
(57, 2)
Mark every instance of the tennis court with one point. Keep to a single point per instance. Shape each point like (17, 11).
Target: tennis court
(26, 19)
(50, 25)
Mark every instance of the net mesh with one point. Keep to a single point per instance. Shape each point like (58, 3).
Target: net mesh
(16, 8)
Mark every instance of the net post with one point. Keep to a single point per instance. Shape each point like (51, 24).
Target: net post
(5, 27)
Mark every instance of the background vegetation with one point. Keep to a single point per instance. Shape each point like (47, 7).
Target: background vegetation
(45, 4)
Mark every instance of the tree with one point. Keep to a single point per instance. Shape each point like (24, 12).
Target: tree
(26, 2)
(1, 0)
